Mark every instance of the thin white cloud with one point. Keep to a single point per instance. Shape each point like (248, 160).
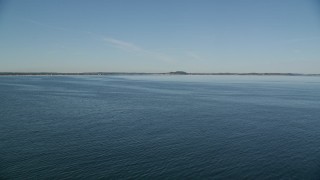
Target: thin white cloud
(123, 45)
(131, 47)
(45, 25)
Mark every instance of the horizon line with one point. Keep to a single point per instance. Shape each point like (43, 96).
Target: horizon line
(154, 73)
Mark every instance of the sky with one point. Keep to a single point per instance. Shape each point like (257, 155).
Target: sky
(160, 36)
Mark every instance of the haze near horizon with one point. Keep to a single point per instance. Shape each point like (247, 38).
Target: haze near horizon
(207, 36)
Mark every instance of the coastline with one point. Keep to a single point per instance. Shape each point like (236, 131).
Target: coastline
(125, 73)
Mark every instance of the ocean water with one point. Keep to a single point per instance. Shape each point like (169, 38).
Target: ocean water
(159, 127)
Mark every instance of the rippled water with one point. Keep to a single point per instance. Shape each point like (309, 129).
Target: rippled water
(176, 127)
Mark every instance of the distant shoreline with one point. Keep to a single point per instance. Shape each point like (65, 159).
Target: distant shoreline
(126, 73)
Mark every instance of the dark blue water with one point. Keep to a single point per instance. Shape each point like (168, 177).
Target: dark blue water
(175, 127)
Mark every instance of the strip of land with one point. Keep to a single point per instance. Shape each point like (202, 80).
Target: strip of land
(138, 73)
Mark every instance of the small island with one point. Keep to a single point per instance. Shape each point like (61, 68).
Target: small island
(179, 73)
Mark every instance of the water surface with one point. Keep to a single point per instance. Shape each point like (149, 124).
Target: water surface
(175, 127)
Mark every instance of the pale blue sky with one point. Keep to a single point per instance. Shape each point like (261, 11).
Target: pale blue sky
(160, 36)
